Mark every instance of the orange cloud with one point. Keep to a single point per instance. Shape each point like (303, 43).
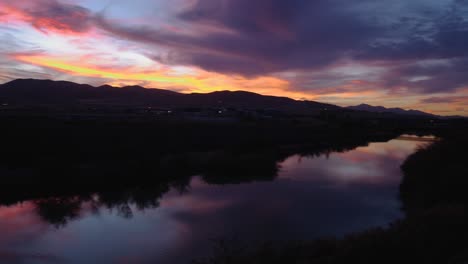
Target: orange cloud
(187, 79)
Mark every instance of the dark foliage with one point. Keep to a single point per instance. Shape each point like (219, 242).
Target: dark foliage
(436, 174)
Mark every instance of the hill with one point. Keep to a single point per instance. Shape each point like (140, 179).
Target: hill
(381, 109)
(47, 92)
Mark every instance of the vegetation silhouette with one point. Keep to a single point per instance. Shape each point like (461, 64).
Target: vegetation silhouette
(60, 210)
(443, 179)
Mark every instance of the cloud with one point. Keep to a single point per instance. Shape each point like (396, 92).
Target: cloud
(429, 76)
(446, 100)
(270, 36)
(49, 15)
(426, 52)
(427, 32)
(257, 37)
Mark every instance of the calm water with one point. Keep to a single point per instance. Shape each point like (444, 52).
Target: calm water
(333, 194)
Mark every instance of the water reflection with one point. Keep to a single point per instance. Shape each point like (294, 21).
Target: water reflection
(301, 197)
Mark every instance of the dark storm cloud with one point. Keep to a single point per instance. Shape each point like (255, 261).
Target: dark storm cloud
(426, 35)
(431, 53)
(261, 36)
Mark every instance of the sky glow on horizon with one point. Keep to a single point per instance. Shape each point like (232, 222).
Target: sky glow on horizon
(409, 54)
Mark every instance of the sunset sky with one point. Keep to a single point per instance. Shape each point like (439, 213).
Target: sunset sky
(394, 53)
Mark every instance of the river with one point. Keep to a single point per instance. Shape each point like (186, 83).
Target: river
(331, 194)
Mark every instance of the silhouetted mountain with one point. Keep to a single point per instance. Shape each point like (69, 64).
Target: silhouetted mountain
(30, 91)
(46, 92)
(381, 109)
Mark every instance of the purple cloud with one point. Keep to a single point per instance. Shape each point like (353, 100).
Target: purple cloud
(260, 37)
(52, 15)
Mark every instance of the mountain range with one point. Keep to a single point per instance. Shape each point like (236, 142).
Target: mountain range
(381, 109)
(47, 92)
